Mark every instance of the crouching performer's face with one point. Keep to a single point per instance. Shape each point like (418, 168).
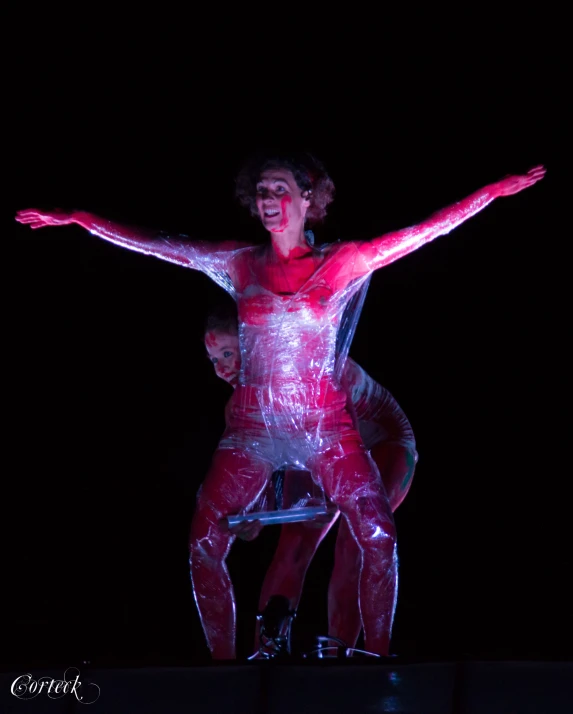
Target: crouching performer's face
(223, 350)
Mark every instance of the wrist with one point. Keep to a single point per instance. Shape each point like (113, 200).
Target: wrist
(82, 218)
(494, 189)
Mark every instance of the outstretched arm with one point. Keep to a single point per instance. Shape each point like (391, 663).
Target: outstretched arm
(386, 249)
(211, 258)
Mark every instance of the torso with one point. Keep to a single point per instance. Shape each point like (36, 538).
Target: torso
(289, 403)
(289, 313)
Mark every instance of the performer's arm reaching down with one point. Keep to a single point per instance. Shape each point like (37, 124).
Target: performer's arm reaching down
(215, 259)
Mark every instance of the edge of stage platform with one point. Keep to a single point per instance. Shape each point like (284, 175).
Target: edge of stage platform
(391, 684)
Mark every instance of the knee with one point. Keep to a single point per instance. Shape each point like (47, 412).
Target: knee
(208, 538)
(372, 526)
(382, 535)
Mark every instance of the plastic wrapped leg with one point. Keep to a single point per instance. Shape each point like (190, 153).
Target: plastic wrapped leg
(296, 547)
(396, 464)
(352, 481)
(285, 577)
(234, 482)
(344, 620)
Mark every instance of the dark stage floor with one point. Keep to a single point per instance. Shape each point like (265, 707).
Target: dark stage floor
(394, 685)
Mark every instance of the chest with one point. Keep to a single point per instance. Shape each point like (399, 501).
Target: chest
(309, 285)
(286, 277)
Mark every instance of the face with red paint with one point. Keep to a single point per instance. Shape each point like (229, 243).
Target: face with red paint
(223, 350)
(280, 201)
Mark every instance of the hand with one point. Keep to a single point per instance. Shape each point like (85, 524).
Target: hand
(514, 184)
(324, 518)
(319, 521)
(247, 530)
(38, 219)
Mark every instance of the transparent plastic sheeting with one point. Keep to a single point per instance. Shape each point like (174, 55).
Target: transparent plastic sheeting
(297, 316)
(296, 323)
(292, 496)
(290, 409)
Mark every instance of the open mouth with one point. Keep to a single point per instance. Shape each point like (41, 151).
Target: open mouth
(271, 212)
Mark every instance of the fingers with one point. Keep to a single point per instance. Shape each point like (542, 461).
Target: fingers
(32, 218)
(252, 530)
(33, 223)
(38, 219)
(514, 184)
(27, 216)
(532, 176)
(247, 530)
(536, 173)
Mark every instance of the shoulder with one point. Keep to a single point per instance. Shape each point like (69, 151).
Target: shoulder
(233, 246)
(339, 248)
(235, 252)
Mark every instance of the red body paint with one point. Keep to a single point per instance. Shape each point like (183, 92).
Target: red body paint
(285, 201)
(389, 436)
(289, 405)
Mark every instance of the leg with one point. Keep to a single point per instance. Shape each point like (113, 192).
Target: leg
(343, 608)
(296, 547)
(351, 480)
(233, 483)
(396, 464)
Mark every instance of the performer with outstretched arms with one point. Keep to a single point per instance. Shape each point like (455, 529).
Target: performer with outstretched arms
(389, 437)
(289, 406)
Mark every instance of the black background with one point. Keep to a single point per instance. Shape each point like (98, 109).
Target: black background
(112, 411)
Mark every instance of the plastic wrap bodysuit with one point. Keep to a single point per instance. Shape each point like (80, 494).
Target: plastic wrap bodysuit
(387, 433)
(289, 406)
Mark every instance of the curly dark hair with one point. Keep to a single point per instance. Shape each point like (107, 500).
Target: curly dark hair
(223, 319)
(308, 172)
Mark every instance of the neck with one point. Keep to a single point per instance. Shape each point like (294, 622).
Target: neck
(289, 240)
